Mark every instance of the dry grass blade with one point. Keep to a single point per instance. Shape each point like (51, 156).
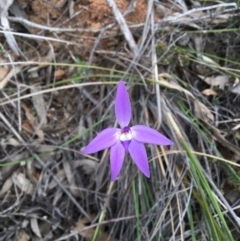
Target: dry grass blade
(49, 28)
(123, 26)
(12, 73)
(4, 6)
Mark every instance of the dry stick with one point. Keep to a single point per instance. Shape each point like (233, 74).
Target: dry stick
(123, 26)
(13, 72)
(94, 47)
(155, 65)
(145, 35)
(147, 23)
(176, 18)
(51, 90)
(54, 29)
(42, 164)
(145, 40)
(4, 6)
(33, 36)
(51, 29)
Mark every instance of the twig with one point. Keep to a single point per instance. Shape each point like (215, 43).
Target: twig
(51, 29)
(51, 90)
(32, 36)
(4, 6)
(123, 26)
(177, 17)
(94, 47)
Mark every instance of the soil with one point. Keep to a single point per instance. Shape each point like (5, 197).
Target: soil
(89, 15)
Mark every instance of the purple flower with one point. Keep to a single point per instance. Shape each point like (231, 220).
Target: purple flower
(126, 139)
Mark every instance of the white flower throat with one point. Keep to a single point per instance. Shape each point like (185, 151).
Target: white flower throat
(126, 134)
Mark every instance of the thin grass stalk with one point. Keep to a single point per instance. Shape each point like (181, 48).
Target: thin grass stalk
(102, 214)
(204, 132)
(203, 188)
(136, 207)
(191, 222)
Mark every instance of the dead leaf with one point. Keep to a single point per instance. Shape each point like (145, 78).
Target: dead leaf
(27, 127)
(206, 59)
(236, 127)
(209, 92)
(14, 71)
(22, 235)
(7, 171)
(173, 84)
(14, 142)
(35, 227)
(39, 104)
(33, 122)
(220, 138)
(60, 176)
(230, 192)
(16, 10)
(236, 89)
(89, 166)
(162, 11)
(71, 5)
(198, 42)
(4, 5)
(45, 59)
(45, 148)
(6, 186)
(59, 73)
(88, 233)
(23, 183)
(57, 196)
(202, 112)
(3, 72)
(29, 115)
(70, 177)
(219, 80)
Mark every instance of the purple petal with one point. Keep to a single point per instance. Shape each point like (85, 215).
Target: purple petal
(123, 109)
(139, 156)
(103, 140)
(146, 134)
(116, 158)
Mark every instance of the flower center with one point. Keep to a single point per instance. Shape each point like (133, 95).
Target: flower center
(126, 134)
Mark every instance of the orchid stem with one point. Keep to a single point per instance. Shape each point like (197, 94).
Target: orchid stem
(136, 209)
(102, 214)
